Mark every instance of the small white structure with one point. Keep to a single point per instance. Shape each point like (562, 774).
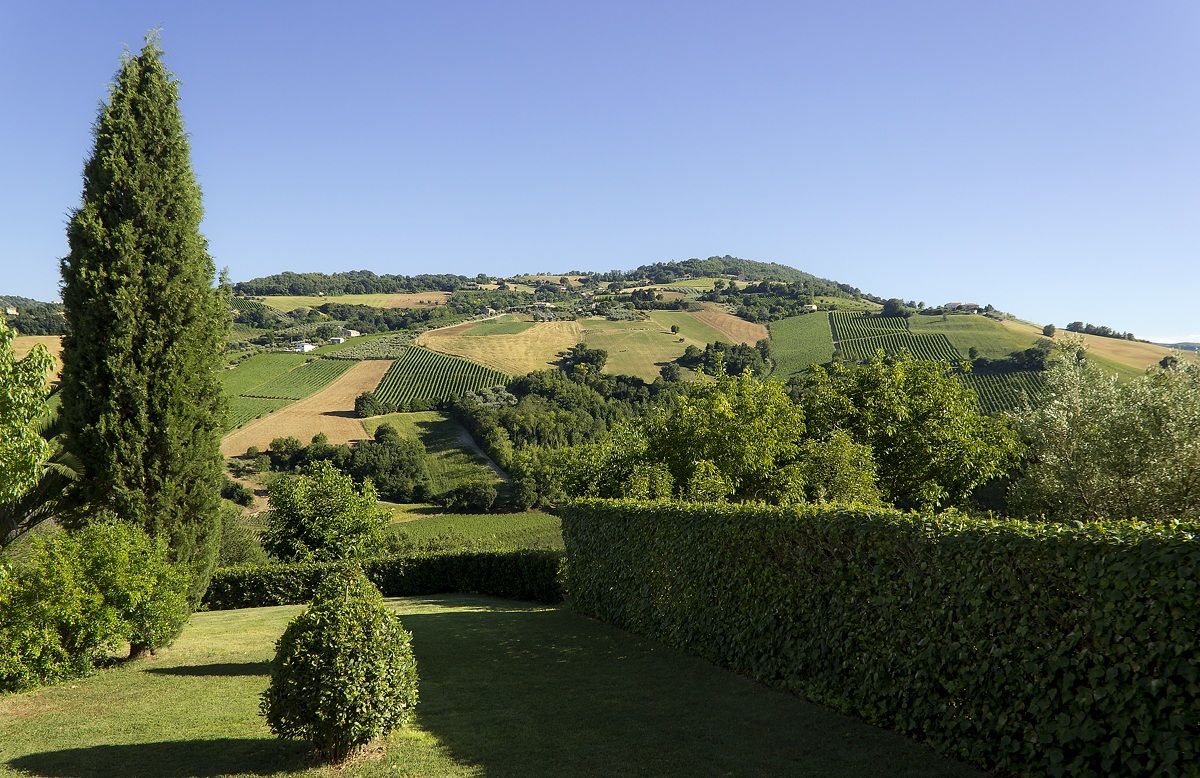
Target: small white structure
(303, 348)
(10, 311)
(335, 341)
(810, 309)
(350, 333)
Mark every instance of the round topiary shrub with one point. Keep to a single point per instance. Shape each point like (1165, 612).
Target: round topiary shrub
(344, 672)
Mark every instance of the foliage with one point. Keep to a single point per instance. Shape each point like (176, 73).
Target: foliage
(142, 402)
(395, 465)
(33, 316)
(344, 672)
(733, 358)
(1042, 649)
(239, 544)
(895, 307)
(525, 574)
(581, 359)
(1099, 447)
(930, 441)
(237, 492)
(320, 516)
(82, 593)
(349, 282)
(472, 497)
(733, 438)
(1098, 329)
(23, 392)
(368, 404)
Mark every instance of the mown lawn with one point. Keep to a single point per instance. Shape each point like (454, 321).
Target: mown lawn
(507, 689)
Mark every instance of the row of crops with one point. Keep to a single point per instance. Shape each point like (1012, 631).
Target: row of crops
(423, 374)
(1006, 391)
(923, 346)
(301, 382)
(851, 325)
(243, 410)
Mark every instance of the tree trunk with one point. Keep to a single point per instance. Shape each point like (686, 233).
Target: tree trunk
(140, 650)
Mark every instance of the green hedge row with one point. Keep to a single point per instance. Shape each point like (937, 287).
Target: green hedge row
(518, 575)
(1029, 648)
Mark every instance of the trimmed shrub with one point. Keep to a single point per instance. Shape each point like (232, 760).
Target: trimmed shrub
(344, 672)
(1031, 648)
(80, 596)
(518, 575)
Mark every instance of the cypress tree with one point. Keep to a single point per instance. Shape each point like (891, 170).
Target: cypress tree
(142, 400)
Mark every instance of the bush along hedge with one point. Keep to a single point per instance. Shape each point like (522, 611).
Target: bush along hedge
(1044, 649)
(518, 575)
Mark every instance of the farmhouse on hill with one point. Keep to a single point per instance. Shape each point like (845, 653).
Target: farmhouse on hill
(336, 341)
(302, 347)
(350, 333)
(968, 307)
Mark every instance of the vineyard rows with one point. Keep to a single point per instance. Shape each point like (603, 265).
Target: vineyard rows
(849, 325)
(923, 346)
(243, 410)
(301, 382)
(1006, 391)
(423, 374)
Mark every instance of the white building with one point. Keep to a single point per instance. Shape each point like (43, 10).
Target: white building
(303, 348)
(337, 340)
(350, 333)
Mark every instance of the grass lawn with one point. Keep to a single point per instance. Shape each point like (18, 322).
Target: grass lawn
(689, 326)
(453, 459)
(531, 529)
(506, 689)
(799, 341)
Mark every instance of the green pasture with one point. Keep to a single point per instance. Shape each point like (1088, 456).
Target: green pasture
(531, 529)
(992, 339)
(453, 458)
(292, 302)
(257, 370)
(634, 347)
(798, 342)
(510, 324)
(507, 689)
(689, 326)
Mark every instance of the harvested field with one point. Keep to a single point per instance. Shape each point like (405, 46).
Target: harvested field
(417, 300)
(1128, 357)
(734, 328)
(536, 348)
(330, 410)
(23, 344)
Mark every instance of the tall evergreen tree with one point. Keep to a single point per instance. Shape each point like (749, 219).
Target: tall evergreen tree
(142, 401)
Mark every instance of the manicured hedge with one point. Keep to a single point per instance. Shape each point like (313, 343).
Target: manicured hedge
(519, 575)
(1040, 649)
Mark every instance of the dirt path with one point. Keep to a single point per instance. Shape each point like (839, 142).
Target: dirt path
(469, 443)
(330, 410)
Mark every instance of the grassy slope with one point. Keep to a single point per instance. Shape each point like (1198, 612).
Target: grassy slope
(506, 689)
(533, 349)
(991, 338)
(638, 347)
(268, 374)
(292, 302)
(450, 463)
(689, 326)
(799, 341)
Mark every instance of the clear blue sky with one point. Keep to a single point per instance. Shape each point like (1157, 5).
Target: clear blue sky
(1040, 156)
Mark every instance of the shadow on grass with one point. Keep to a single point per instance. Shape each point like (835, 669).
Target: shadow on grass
(216, 669)
(173, 759)
(533, 691)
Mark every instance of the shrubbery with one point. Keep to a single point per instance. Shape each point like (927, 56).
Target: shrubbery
(1044, 649)
(518, 575)
(82, 594)
(344, 672)
(320, 516)
(471, 497)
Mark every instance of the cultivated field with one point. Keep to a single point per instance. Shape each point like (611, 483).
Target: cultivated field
(423, 374)
(935, 347)
(454, 458)
(23, 344)
(507, 688)
(301, 381)
(536, 348)
(1006, 391)
(798, 342)
(635, 347)
(1129, 358)
(405, 300)
(330, 410)
(734, 328)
